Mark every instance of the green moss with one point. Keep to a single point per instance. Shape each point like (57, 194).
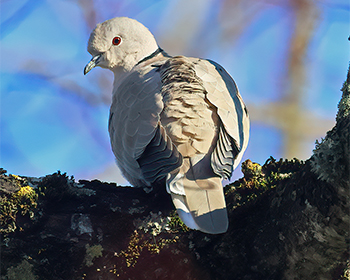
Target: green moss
(23, 271)
(92, 253)
(16, 197)
(138, 243)
(175, 224)
(133, 252)
(330, 159)
(259, 179)
(154, 223)
(54, 187)
(59, 186)
(344, 103)
(346, 273)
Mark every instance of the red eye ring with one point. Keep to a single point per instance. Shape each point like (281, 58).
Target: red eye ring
(116, 41)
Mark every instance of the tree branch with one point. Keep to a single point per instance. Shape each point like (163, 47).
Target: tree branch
(288, 220)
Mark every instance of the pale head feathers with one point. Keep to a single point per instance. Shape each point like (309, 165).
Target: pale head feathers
(137, 42)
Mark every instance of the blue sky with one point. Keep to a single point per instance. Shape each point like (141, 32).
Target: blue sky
(55, 118)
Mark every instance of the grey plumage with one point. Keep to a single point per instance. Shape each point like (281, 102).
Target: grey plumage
(176, 118)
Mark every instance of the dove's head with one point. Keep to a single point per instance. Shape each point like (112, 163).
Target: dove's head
(119, 44)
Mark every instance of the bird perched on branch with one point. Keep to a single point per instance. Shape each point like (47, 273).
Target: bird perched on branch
(178, 119)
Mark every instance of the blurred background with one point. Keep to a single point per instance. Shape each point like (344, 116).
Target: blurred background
(289, 59)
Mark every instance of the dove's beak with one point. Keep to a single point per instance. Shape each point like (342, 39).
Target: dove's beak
(93, 63)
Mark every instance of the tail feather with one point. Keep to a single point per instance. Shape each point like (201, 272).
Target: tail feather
(199, 202)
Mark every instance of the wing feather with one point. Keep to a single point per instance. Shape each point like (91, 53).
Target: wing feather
(142, 149)
(159, 157)
(233, 132)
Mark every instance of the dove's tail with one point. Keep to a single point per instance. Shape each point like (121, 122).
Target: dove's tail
(200, 202)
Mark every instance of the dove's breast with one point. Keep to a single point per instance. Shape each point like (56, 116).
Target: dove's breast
(134, 119)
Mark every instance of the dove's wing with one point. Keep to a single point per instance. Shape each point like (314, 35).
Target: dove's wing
(143, 150)
(233, 135)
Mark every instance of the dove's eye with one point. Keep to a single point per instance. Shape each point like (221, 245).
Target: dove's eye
(116, 41)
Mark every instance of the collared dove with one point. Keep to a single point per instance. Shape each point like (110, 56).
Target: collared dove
(177, 119)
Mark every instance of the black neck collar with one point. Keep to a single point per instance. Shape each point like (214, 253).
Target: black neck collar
(157, 51)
